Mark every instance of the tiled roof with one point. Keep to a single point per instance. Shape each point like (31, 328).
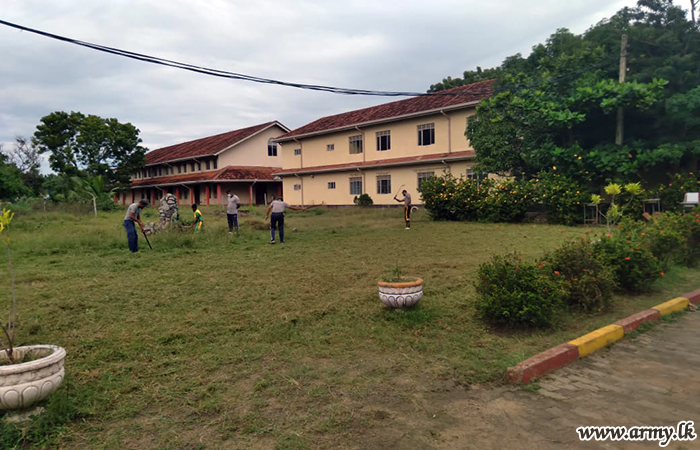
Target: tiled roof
(381, 163)
(247, 173)
(207, 146)
(451, 97)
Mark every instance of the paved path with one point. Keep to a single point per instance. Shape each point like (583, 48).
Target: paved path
(650, 380)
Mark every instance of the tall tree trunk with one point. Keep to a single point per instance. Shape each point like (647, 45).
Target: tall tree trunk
(94, 204)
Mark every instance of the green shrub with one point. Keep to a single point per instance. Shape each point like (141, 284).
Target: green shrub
(449, 198)
(634, 266)
(507, 201)
(517, 294)
(672, 193)
(588, 282)
(562, 198)
(363, 200)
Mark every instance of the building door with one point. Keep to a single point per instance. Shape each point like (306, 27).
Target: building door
(196, 195)
(260, 191)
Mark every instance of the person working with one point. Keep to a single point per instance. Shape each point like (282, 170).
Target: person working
(133, 214)
(277, 219)
(198, 223)
(406, 207)
(232, 211)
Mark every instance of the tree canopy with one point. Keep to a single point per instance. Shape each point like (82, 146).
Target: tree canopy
(556, 109)
(11, 183)
(91, 146)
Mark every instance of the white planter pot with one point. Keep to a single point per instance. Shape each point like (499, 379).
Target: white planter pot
(23, 385)
(401, 295)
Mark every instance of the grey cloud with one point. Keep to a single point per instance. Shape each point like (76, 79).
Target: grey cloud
(356, 43)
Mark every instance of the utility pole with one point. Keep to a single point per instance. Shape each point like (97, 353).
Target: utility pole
(619, 135)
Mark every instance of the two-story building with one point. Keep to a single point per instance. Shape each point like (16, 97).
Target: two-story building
(382, 149)
(201, 171)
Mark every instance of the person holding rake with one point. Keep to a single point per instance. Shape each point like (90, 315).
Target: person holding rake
(406, 207)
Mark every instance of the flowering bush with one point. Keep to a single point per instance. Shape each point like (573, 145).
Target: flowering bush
(506, 201)
(588, 282)
(517, 294)
(562, 197)
(672, 193)
(671, 236)
(631, 261)
(450, 198)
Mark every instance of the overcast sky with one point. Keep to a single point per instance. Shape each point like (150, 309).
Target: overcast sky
(381, 45)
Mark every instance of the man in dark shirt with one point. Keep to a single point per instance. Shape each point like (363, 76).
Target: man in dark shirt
(406, 207)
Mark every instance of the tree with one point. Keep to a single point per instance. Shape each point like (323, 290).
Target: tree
(554, 110)
(693, 6)
(24, 155)
(469, 76)
(11, 183)
(91, 146)
(27, 158)
(91, 188)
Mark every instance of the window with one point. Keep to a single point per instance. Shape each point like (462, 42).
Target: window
(426, 134)
(184, 167)
(199, 167)
(297, 187)
(179, 168)
(355, 144)
(383, 141)
(384, 184)
(422, 176)
(331, 185)
(355, 185)
(216, 164)
(476, 175)
(271, 148)
(160, 171)
(208, 165)
(297, 152)
(330, 147)
(192, 167)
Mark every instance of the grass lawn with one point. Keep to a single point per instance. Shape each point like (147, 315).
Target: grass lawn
(212, 341)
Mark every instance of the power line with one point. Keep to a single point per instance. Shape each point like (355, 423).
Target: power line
(484, 92)
(222, 73)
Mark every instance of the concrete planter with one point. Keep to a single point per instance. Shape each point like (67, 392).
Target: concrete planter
(23, 385)
(401, 295)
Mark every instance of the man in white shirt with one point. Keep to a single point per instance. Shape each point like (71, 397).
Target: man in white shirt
(277, 218)
(232, 211)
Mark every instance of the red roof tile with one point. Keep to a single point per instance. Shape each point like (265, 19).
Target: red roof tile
(247, 173)
(381, 162)
(207, 146)
(451, 97)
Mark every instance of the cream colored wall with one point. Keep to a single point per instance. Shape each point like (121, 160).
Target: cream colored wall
(404, 142)
(315, 190)
(458, 127)
(288, 193)
(253, 152)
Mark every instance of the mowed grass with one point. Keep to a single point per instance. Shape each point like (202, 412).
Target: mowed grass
(212, 340)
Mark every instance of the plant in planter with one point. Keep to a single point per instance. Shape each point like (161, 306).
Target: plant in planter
(27, 374)
(398, 291)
